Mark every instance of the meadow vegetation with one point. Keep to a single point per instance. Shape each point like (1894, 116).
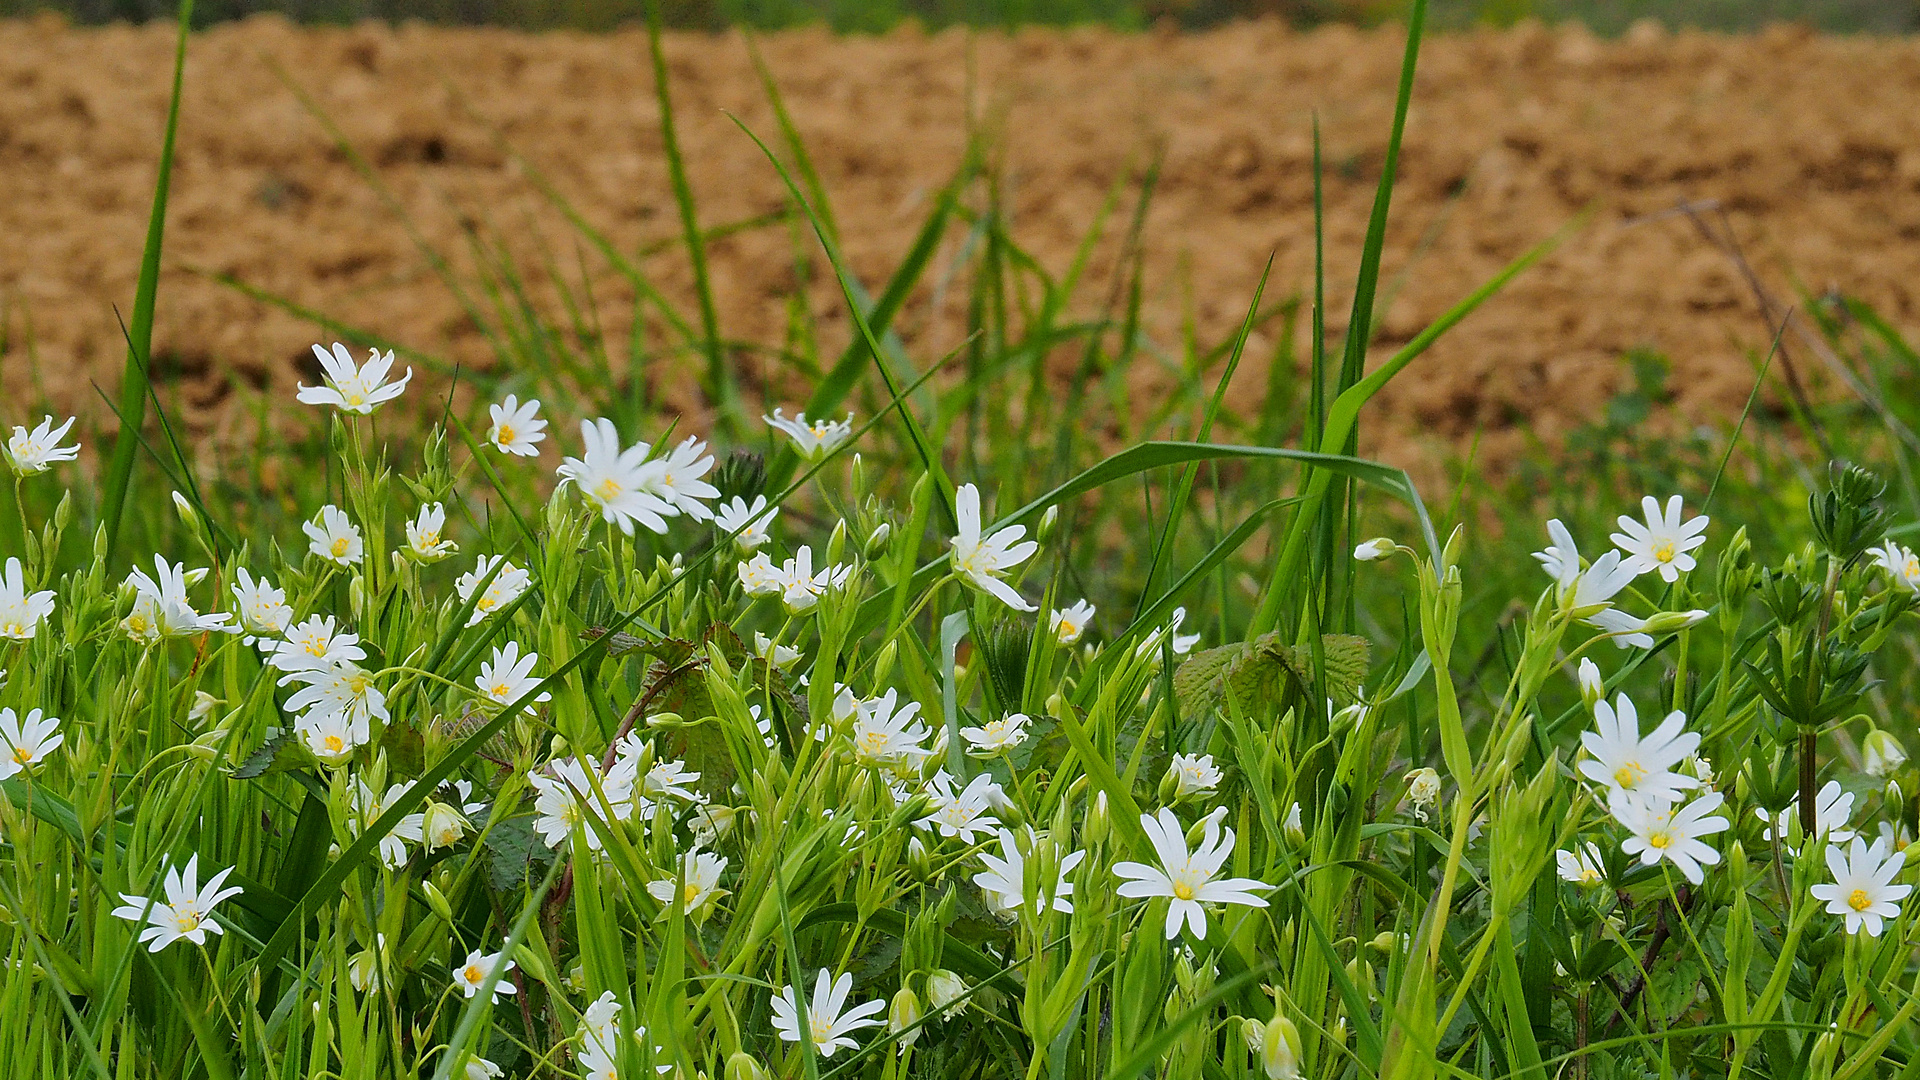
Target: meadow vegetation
(967, 718)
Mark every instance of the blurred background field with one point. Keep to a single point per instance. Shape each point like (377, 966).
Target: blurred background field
(1603, 16)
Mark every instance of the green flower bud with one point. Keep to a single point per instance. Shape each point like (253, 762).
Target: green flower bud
(742, 1067)
(436, 901)
(1280, 1049)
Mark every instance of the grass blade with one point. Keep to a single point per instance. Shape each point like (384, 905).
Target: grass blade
(133, 380)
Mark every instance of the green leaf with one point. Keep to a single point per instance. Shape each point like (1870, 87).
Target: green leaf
(1265, 669)
(280, 753)
(513, 849)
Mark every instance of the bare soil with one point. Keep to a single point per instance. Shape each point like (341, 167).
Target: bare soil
(1811, 145)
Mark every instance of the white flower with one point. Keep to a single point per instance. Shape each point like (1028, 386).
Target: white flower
(469, 976)
(335, 538)
(342, 688)
(1182, 643)
(1863, 891)
(313, 644)
(1280, 1049)
(333, 736)
(799, 586)
(262, 609)
(516, 427)
(995, 736)
(1193, 774)
(442, 825)
(160, 605)
(1832, 809)
(182, 910)
(747, 524)
(367, 808)
(981, 560)
(1663, 542)
(1593, 588)
(884, 735)
(425, 545)
(1423, 790)
(620, 483)
(759, 577)
(479, 1068)
(21, 612)
(1623, 761)
(677, 479)
(509, 674)
(700, 871)
(28, 742)
(1662, 830)
(668, 780)
(812, 438)
(1069, 623)
(780, 656)
(1377, 548)
(828, 1028)
(599, 1039)
(363, 968)
(1187, 880)
(1004, 879)
(963, 814)
(1901, 565)
(350, 389)
(36, 451)
(565, 799)
(1582, 865)
(506, 588)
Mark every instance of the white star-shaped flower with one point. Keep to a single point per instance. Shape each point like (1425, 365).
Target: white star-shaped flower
(1663, 542)
(354, 389)
(426, 543)
(516, 428)
(30, 452)
(26, 743)
(981, 560)
(1862, 891)
(1663, 830)
(829, 1028)
(334, 537)
(182, 910)
(1623, 761)
(1187, 880)
(21, 611)
(812, 438)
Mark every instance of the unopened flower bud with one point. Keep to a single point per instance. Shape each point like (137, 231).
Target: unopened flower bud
(436, 901)
(1881, 753)
(1099, 822)
(1672, 622)
(944, 988)
(741, 1066)
(185, 509)
(877, 540)
(1047, 522)
(1292, 830)
(1377, 548)
(902, 1015)
(1592, 686)
(1280, 1049)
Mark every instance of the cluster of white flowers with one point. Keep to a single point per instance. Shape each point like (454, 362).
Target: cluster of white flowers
(1661, 543)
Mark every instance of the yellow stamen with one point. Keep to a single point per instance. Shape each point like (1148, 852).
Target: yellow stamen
(1858, 900)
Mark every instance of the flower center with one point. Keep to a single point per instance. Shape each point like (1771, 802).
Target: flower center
(22, 755)
(1660, 841)
(506, 433)
(1663, 551)
(335, 744)
(500, 690)
(609, 489)
(691, 894)
(1629, 774)
(1182, 890)
(822, 1030)
(1069, 628)
(473, 974)
(340, 544)
(13, 629)
(186, 921)
(1858, 900)
(357, 684)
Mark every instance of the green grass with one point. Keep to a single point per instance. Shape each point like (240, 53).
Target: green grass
(1402, 938)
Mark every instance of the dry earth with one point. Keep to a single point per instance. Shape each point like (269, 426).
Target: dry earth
(1811, 144)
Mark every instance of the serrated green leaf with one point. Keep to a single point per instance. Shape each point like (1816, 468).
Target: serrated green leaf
(278, 754)
(1262, 671)
(513, 848)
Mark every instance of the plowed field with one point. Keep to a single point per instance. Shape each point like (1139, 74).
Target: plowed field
(1811, 145)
